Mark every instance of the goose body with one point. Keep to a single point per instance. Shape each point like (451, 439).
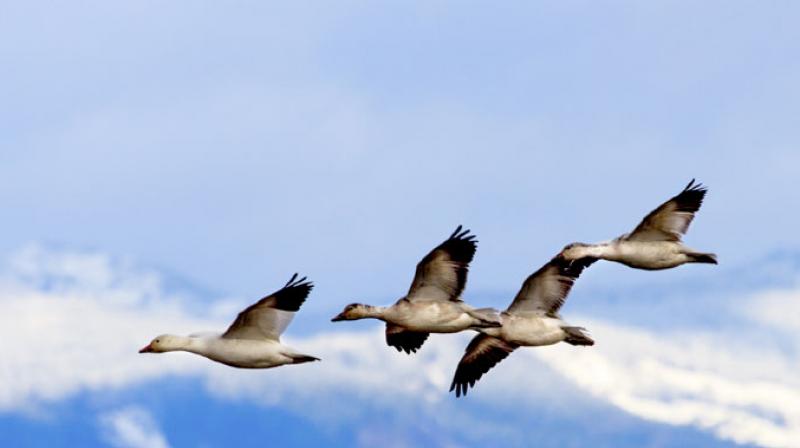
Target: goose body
(531, 320)
(649, 255)
(253, 339)
(428, 315)
(433, 303)
(656, 242)
(531, 330)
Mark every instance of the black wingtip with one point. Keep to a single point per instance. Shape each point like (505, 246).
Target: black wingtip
(406, 341)
(291, 280)
(460, 389)
(691, 198)
(293, 294)
(695, 186)
(294, 281)
(462, 234)
(455, 386)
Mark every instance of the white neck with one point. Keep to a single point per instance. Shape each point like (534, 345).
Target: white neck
(186, 344)
(598, 250)
(373, 312)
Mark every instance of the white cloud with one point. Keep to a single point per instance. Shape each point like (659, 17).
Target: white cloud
(77, 320)
(132, 427)
(779, 309)
(720, 383)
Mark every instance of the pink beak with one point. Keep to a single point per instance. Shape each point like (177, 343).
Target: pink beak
(146, 349)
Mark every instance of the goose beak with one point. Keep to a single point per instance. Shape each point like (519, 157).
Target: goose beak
(338, 317)
(146, 349)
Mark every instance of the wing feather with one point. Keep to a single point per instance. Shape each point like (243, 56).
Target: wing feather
(404, 340)
(442, 274)
(671, 219)
(269, 317)
(482, 353)
(545, 291)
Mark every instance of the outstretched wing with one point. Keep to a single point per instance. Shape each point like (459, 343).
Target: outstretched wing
(482, 353)
(404, 340)
(442, 274)
(671, 220)
(269, 317)
(545, 290)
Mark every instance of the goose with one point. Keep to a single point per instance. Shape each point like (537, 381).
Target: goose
(253, 339)
(433, 303)
(531, 320)
(656, 242)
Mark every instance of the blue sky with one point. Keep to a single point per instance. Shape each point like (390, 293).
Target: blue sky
(164, 164)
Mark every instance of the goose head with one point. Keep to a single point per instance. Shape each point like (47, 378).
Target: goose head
(354, 311)
(573, 250)
(164, 343)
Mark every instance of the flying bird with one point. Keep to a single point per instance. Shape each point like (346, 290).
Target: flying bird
(253, 339)
(656, 242)
(433, 303)
(531, 320)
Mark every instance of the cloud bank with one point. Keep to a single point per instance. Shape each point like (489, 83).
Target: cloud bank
(76, 320)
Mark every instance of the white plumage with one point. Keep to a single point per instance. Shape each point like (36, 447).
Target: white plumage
(253, 339)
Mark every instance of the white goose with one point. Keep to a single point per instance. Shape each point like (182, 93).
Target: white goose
(253, 339)
(531, 320)
(433, 303)
(656, 242)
